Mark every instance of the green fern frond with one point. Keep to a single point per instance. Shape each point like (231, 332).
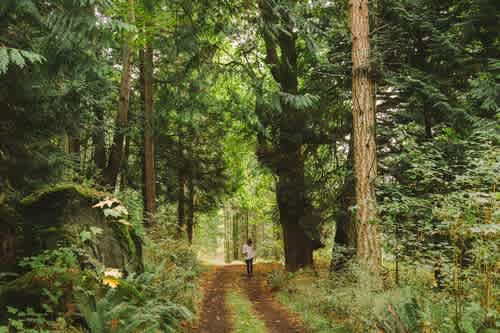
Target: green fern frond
(300, 102)
(17, 57)
(4, 60)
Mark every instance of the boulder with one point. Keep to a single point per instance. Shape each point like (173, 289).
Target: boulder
(63, 215)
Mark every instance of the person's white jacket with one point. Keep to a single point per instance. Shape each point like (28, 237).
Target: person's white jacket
(248, 251)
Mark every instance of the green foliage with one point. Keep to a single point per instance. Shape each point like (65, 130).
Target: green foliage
(132, 199)
(51, 261)
(278, 279)
(217, 102)
(355, 301)
(51, 274)
(161, 298)
(9, 56)
(124, 311)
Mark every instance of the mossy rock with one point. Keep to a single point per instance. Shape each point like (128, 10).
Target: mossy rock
(57, 216)
(10, 242)
(29, 290)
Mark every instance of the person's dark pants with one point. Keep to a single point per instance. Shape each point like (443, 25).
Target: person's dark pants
(249, 263)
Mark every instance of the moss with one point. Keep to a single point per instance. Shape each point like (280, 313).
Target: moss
(58, 215)
(132, 245)
(85, 192)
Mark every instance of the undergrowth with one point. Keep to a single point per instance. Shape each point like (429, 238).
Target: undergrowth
(162, 298)
(356, 301)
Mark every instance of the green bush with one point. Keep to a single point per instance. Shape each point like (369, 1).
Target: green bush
(278, 279)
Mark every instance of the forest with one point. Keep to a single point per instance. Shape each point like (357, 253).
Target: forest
(143, 143)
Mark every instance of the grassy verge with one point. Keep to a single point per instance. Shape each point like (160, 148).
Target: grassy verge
(243, 318)
(307, 300)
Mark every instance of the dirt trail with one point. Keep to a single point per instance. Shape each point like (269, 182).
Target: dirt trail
(215, 317)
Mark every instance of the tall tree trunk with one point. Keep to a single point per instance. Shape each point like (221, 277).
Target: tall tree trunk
(75, 147)
(236, 235)
(344, 245)
(254, 236)
(149, 155)
(365, 159)
(291, 202)
(246, 224)
(116, 153)
(125, 165)
(277, 238)
(281, 57)
(181, 199)
(227, 233)
(427, 115)
(98, 139)
(191, 207)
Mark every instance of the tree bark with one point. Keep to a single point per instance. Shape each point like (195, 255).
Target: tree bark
(149, 155)
(236, 236)
(125, 165)
(191, 207)
(181, 198)
(254, 237)
(227, 233)
(98, 139)
(365, 159)
(288, 160)
(345, 241)
(74, 146)
(116, 153)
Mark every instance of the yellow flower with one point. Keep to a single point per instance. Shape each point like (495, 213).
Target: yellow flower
(112, 277)
(110, 281)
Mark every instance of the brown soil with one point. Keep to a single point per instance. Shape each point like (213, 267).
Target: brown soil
(276, 317)
(215, 316)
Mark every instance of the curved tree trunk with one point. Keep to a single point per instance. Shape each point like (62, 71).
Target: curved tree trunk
(116, 153)
(365, 159)
(286, 155)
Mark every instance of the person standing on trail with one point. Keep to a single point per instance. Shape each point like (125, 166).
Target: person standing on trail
(249, 253)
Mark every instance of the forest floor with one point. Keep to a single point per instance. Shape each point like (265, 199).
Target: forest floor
(218, 316)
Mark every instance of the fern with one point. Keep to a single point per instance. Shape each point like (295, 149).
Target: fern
(299, 102)
(17, 57)
(4, 60)
(138, 304)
